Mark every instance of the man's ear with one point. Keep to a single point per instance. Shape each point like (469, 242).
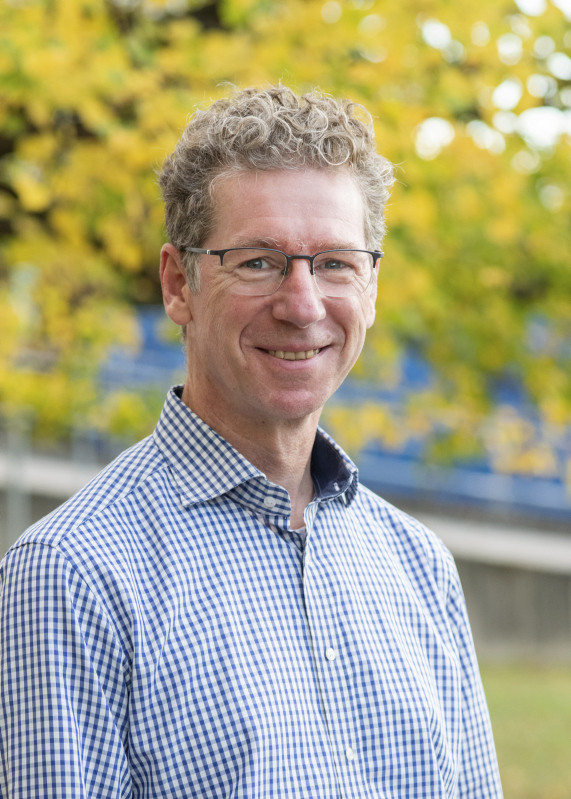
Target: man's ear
(370, 301)
(176, 293)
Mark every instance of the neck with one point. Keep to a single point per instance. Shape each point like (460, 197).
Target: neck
(281, 450)
(286, 462)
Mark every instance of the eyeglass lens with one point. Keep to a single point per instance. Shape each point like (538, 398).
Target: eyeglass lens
(338, 273)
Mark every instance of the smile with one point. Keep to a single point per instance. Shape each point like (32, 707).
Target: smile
(293, 356)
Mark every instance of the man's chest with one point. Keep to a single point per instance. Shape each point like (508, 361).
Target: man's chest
(262, 672)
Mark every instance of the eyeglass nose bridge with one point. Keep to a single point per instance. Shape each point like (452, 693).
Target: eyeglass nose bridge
(287, 269)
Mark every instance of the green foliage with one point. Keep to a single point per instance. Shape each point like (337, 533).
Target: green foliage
(94, 94)
(530, 710)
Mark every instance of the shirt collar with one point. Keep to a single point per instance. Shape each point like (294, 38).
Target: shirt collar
(205, 466)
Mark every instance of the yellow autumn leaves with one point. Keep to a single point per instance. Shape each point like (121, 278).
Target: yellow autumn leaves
(94, 94)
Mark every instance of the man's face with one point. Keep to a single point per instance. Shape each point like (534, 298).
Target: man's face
(237, 372)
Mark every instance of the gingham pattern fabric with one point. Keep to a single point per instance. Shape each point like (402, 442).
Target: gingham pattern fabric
(165, 634)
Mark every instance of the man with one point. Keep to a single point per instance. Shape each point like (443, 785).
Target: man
(225, 611)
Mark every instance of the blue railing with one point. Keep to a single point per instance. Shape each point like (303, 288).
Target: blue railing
(404, 471)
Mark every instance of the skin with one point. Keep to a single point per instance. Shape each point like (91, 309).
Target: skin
(267, 406)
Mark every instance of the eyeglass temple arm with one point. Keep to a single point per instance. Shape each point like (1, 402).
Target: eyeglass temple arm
(201, 251)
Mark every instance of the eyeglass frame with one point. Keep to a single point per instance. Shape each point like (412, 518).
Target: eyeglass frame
(375, 254)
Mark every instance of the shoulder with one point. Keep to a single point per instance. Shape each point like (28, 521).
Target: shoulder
(99, 502)
(411, 542)
(91, 541)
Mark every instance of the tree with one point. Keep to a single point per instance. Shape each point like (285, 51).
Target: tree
(94, 94)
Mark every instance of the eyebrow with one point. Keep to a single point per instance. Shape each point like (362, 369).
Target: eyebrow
(273, 244)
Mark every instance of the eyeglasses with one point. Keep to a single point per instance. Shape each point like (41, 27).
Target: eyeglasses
(259, 271)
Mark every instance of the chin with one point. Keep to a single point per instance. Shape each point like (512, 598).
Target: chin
(295, 410)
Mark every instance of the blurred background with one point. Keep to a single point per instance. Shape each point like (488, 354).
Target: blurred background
(459, 409)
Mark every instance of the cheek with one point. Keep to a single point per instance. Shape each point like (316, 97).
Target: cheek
(223, 337)
(363, 316)
(208, 316)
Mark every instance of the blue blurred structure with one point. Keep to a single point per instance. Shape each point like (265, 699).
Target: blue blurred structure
(478, 487)
(408, 473)
(403, 473)
(156, 363)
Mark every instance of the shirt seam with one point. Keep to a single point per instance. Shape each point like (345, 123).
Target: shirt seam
(74, 567)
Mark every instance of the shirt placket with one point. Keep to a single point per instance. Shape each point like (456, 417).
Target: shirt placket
(320, 603)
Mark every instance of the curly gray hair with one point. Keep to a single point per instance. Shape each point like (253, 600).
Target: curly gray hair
(263, 129)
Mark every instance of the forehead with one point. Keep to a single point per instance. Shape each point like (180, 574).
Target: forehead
(288, 208)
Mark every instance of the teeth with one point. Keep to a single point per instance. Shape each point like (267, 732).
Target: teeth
(293, 356)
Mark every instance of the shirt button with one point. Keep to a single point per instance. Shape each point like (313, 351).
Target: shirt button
(330, 654)
(269, 502)
(349, 754)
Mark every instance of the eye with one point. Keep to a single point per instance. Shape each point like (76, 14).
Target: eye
(334, 265)
(256, 264)
(260, 262)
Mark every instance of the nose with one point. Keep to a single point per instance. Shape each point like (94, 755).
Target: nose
(298, 299)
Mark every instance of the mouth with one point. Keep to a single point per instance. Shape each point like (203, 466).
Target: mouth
(288, 355)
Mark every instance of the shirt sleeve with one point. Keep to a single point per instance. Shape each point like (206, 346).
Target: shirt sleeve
(478, 774)
(63, 692)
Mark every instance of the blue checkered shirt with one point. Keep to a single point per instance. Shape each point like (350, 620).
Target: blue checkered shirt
(166, 634)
